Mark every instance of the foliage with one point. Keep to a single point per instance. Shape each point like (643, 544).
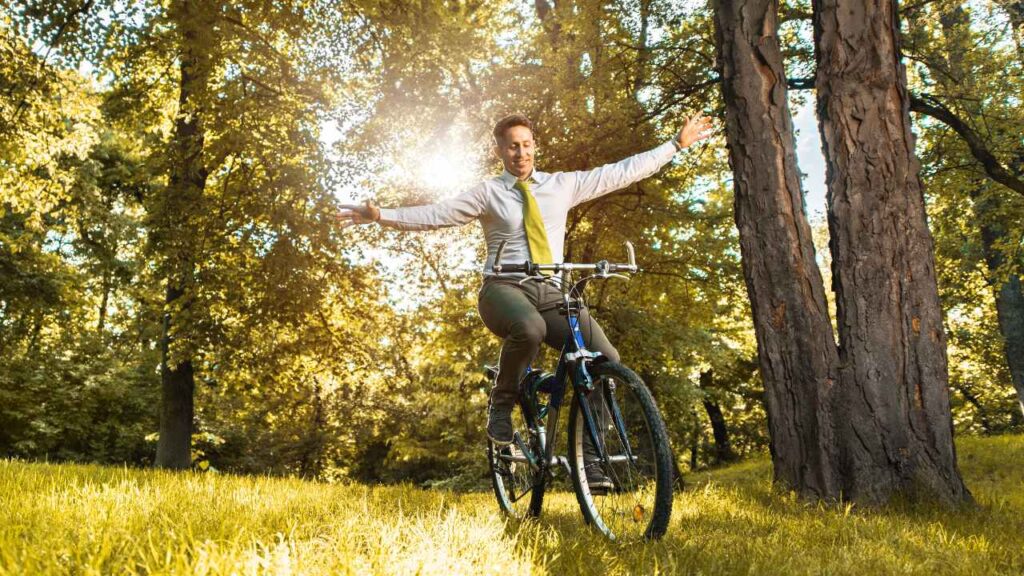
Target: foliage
(600, 84)
(960, 53)
(339, 354)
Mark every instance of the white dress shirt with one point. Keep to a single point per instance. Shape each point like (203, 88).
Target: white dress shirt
(499, 207)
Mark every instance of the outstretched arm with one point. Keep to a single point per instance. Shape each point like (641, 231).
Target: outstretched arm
(456, 211)
(616, 176)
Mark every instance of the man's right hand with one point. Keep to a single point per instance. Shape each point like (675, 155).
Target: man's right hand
(351, 214)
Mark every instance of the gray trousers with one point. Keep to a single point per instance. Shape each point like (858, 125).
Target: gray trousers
(524, 316)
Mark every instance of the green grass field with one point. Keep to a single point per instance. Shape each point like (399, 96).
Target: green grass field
(95, 520)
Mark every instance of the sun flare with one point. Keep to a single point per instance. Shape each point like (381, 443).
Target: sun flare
(446, 172)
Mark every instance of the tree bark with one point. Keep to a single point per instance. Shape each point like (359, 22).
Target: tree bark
(895, 427)
(186, 183)
(177, 387)
(796, 351)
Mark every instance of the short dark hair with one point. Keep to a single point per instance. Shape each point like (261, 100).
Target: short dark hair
(508, 122)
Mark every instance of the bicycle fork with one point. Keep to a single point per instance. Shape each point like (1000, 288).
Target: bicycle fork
(607, 391)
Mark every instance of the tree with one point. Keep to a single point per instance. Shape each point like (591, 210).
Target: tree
(796, 351)
(187, 177)
(870, 419)
(896, 428)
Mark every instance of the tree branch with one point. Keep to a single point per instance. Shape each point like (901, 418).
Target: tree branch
(929, 106)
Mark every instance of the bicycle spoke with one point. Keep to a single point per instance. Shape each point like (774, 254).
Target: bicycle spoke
(616, 414)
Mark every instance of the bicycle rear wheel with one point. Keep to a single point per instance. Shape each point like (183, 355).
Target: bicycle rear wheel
(639, 458)
(517, 484)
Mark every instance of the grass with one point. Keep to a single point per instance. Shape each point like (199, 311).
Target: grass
(95, 520)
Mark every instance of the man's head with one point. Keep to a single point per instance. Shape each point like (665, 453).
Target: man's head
(513, 143)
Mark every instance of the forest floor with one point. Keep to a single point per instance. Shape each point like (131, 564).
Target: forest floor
(101, 520)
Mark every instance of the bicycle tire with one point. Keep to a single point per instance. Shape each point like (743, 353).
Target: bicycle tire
(643, 483)
(510, 478)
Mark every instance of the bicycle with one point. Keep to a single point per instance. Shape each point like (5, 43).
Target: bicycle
(612, 409)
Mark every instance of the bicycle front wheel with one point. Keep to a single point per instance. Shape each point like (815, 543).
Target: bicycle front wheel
(628, 494)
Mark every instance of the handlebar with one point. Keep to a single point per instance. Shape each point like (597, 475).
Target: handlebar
(531, 269)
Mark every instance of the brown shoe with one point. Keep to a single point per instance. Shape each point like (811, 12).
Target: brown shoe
(499, 425)
(598, 482)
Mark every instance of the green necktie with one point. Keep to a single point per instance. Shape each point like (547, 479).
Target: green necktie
(536, 236)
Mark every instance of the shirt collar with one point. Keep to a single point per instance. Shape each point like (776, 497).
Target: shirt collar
(509, 180)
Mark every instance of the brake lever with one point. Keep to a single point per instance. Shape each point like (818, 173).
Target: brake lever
(496, 266)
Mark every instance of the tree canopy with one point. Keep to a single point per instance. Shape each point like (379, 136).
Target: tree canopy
(170, 174)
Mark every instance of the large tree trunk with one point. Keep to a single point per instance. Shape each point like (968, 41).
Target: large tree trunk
(796, 350)
(186, 182)
(895, 427)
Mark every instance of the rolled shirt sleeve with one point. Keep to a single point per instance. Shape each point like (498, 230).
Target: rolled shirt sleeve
(594, 183)
(461, 209)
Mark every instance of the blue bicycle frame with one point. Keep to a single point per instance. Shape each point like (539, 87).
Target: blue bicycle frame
(572, 367)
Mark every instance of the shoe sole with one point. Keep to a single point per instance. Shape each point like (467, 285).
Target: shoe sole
(499, 443)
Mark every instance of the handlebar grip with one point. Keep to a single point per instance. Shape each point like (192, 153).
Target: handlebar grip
(525, 268)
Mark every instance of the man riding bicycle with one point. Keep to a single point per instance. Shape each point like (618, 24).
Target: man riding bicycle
(527, 209)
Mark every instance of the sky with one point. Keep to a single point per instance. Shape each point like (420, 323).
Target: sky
(810, 158)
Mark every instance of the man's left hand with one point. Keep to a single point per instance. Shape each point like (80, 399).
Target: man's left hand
(697, 128)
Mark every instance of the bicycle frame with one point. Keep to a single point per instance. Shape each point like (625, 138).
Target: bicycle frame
(571, 368)
(572, 365)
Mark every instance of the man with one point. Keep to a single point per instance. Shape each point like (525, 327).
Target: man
(528, 209)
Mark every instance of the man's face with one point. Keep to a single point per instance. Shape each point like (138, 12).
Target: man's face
(516, 151)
